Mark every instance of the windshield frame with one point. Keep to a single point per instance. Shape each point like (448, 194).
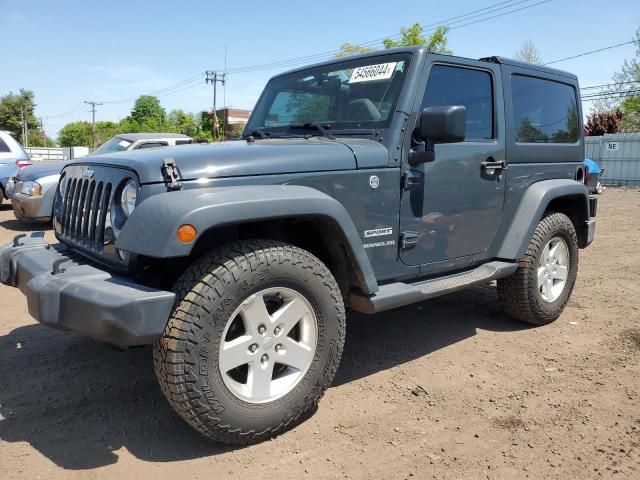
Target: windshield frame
(265, 102)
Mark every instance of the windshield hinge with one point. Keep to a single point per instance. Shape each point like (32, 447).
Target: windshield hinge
(408, 240)
(171, 174)
(411, 180)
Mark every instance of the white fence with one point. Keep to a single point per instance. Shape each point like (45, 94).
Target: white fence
(618, 154)
(37, 154)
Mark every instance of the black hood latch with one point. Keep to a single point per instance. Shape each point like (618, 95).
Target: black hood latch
(171, 174)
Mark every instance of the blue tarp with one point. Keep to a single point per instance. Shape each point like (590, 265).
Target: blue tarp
(591, 165)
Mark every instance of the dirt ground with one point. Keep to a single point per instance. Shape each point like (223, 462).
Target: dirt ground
(450, 388)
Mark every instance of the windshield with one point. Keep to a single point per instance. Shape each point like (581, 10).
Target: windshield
(114, 144)
(356, 94)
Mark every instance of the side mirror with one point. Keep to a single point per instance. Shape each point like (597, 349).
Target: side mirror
(445, 124)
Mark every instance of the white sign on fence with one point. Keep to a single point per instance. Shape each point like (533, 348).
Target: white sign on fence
(612, 146)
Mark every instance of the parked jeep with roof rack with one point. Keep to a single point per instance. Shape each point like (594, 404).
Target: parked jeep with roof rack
(364, 183)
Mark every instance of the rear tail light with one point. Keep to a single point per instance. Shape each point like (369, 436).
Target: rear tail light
(22, 163)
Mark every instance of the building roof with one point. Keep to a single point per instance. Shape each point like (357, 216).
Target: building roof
(132, 137)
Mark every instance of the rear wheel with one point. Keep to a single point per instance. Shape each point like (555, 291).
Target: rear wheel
(254, 341)
(541, 286)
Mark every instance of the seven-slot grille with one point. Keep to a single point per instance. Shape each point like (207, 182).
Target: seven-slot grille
(84, 215)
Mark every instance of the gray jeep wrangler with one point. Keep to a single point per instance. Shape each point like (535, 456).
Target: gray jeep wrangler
(364, 183)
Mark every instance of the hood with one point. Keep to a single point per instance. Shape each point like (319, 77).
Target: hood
(241, 158)
(39, 170)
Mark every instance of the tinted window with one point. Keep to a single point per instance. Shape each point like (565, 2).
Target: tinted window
(349, 94)
(462, 86)
(543, 111)
(114, 144)
(298, 107)
(152, 145)
(4, 147)
(183, 142)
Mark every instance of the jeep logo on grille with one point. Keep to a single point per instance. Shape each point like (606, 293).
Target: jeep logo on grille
(88, 173)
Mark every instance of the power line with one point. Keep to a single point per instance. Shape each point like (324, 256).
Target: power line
(194, 81)
(67, 113)
(162, 91)
(602, 96)
(605, 85)
(590, 53)
(447, 23)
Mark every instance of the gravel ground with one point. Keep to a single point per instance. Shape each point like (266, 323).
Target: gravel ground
(450, 388)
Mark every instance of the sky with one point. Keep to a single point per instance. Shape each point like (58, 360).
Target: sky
(69, 51)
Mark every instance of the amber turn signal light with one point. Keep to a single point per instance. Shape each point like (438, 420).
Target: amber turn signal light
(187, 233)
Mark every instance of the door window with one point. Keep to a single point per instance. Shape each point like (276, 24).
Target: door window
(448, 85)
(544, 111)
(152, 145)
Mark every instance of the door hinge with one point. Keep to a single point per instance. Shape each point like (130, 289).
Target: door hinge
(171, 174)
(408, 240)
(411, 180)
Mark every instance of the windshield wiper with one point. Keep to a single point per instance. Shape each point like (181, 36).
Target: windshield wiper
(323, 130)
(258, 132)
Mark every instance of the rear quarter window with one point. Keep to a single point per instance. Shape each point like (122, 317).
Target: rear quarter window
(544, 111)
(4, 148)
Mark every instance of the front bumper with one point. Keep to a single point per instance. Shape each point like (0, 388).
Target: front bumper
(27, 206)
(65, 292)
(591, 223)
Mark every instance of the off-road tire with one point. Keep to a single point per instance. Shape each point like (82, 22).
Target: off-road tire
(208, 292)
(519, 294)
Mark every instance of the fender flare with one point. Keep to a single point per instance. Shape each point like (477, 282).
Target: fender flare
(532, 206)
(151, 229)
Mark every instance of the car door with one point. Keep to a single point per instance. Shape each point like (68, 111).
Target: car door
(451, 207)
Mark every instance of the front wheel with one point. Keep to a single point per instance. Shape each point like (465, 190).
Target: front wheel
(599, 188)
(254, 341)
(541, 286)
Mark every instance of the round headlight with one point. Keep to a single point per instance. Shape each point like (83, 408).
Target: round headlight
(128, 198)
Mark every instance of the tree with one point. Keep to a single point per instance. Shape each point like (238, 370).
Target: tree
(599, 123)
(412, 36)
(78, 134)
(347, 49)
(409, 37)
(13, 107)
(529, 53)
(618, 96)
(181, 122)
(75, 134)
(147, 110)
(631, 114)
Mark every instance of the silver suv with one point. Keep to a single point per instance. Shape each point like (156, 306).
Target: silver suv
(12, 158)
(33, 189)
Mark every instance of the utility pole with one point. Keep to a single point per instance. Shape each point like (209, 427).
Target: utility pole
(214, 78)
(25, 126)
(44, 135)
(93, 121)
(22, 124)
(224, 97)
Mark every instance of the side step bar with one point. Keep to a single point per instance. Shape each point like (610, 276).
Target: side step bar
(398, 294)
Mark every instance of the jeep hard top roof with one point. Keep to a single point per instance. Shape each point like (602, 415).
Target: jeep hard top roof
(132, 137)
(423, 51)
